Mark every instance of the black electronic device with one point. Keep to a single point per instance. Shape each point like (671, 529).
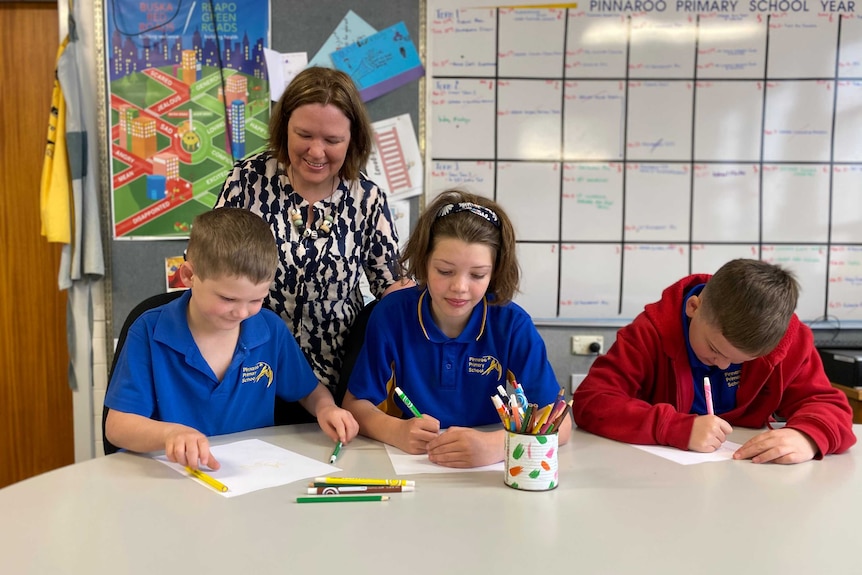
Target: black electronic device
(843, 366)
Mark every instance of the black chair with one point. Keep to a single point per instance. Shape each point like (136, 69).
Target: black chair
(287, 413)
(149, 303)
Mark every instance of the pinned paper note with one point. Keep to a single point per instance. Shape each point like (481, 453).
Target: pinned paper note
(400, 210)
(395, 163)
(173, 279)
(282, 69)
(351, 29)
(382, 62)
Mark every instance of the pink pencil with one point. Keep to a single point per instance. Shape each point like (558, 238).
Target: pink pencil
(558, 408)
(707, 392)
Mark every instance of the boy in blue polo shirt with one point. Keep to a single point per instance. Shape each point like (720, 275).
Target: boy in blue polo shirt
(449, 342)
(212, 362)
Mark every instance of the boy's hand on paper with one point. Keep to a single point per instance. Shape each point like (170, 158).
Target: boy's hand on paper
(783, 445)
(416, 432)
(708, 433)
(188, 446)
(339, 424)
(464, 447)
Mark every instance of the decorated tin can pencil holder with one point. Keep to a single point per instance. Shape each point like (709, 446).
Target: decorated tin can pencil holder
(531, 461)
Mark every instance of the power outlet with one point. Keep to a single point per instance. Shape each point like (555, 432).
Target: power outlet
(587, 344)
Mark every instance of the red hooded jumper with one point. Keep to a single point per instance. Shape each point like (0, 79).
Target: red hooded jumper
(641, 391)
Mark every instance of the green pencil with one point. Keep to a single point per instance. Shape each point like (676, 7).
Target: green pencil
(407, 402)
(339, 498)
(335, 452)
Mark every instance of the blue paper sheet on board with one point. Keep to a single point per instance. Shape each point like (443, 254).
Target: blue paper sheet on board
(351, 29)
(382, 62)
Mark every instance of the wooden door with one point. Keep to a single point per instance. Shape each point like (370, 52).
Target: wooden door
(36, 433)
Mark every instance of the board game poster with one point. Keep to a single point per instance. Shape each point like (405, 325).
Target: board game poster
(188, 96)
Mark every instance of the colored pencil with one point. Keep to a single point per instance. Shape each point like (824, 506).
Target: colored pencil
(342, 489)
(211, 481)
(341, 498)
(362, 481)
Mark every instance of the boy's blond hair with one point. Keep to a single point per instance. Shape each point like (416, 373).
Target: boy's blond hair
(751, 303)
(232, 242)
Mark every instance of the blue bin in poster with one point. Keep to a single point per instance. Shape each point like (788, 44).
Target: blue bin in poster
(156, 187)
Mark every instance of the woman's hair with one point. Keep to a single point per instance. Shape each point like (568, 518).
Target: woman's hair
(232, 242)
(324, 86)
(474, 220)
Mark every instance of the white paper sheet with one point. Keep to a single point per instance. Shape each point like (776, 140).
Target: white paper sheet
(406, 464)
(282, 69)
(723, 453)
(253, 464)
(400, 210)
(395, 162)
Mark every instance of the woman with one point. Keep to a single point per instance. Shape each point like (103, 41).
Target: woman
(331, 224)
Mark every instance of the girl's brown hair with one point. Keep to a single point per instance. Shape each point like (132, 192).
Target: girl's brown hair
(474, 220)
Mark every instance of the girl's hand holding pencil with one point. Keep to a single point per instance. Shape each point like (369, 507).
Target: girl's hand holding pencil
(417, 431)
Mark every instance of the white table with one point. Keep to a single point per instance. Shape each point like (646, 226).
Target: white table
(617, 510)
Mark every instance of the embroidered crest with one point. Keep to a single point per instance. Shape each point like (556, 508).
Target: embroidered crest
(258, 372)
(485, 365)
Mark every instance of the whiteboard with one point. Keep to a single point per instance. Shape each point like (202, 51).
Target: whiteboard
(633, 148)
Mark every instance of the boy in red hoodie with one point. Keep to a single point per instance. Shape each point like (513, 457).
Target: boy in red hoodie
(738, 331)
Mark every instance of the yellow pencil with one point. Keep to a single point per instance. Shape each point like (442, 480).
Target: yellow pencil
(211, 481)
(363, 481)
(542, 417)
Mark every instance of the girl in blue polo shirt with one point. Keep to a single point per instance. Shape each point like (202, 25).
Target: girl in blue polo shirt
(449, 342)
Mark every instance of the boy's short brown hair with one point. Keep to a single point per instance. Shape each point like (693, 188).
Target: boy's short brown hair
(324, 86)
(751, 303)
(232, 242)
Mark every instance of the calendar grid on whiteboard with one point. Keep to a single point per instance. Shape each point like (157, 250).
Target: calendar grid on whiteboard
(632, 149)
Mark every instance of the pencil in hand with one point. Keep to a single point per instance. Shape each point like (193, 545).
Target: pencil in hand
(401, 395)
(335, 452)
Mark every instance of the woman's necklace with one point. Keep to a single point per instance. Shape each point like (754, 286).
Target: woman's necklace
(296, 216)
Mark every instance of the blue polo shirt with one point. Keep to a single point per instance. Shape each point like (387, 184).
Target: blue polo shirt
(451, 379)
(724, 382)
(161, 374)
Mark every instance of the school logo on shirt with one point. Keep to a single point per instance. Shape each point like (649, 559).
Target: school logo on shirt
(258, 372)
(732, 377)
(485, 365)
